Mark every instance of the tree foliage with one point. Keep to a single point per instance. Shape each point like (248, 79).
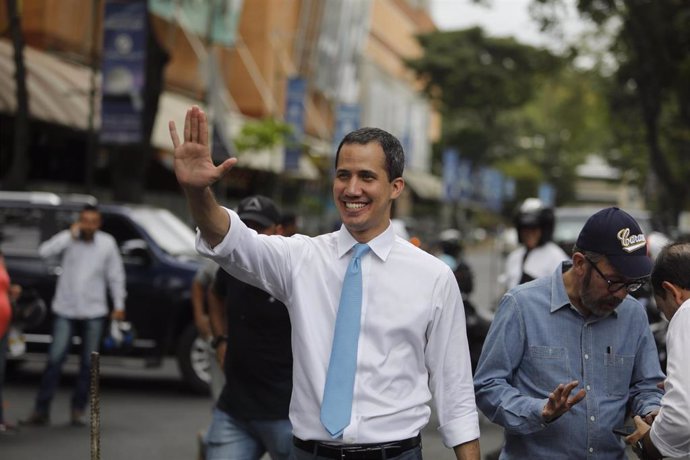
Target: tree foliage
(512, 105)
(262, 134)
(474, 79)
(649, 94)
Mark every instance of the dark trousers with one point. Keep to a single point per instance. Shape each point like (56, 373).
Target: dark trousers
(63, 328)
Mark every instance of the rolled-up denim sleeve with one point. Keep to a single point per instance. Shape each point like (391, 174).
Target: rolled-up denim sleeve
(501, 356)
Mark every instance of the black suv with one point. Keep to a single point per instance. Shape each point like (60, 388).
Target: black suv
(160, 262)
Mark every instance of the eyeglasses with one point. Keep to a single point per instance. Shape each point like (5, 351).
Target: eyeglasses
(615, 286)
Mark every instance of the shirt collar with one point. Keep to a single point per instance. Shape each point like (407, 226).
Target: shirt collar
(559, 296)
(381, 245)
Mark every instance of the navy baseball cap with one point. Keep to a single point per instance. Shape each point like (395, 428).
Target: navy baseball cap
(613, 233)
(259, 209)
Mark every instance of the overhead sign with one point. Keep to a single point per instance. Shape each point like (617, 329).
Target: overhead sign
(294, 116)
(124, 71)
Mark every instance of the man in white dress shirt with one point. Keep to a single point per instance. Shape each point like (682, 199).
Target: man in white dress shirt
(669, 436)
(91, 268)
(412, 342)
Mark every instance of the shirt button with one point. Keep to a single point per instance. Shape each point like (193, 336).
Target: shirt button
(586, 356)
(591, 449)
(592, 418)
(588, 388)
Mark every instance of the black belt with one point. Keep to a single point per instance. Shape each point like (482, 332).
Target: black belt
(358, 451)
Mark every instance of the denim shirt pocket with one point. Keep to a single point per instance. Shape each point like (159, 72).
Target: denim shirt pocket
(550, 366)
(618, 373)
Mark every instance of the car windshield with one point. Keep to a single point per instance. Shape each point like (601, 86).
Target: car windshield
(171, 234)
(568, 225)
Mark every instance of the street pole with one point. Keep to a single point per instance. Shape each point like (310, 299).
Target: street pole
(95, 402)
(91, 134)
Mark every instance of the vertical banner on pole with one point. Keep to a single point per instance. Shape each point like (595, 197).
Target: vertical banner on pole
(492, 189)
(294, 116)
(465, 180)
(124, 71)
(547, 194)
(346, 121)
(451, 182)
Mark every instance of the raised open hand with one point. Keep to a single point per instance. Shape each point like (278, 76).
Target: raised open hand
(559, 401)
(193, 165)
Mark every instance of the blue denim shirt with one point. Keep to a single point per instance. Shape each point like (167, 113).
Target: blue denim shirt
(537, 341)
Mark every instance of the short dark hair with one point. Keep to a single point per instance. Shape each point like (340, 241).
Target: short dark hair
(392, 149)
(672, 265)
(90, 208)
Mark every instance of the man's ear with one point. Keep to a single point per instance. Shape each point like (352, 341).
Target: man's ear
(398, 184)
(677, 294)
(579, 262)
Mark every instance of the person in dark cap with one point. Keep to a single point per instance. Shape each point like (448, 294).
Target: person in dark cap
(251, 332)
(568, 355)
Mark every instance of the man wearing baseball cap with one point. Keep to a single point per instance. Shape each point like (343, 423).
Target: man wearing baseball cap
(569, 354)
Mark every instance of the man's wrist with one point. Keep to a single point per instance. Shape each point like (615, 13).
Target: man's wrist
(217, 340)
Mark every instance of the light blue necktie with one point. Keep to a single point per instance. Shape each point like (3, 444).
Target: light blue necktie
(336, 408)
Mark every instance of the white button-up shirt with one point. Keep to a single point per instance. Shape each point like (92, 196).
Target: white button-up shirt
(671, 428)
(412, 341)
(88, 268)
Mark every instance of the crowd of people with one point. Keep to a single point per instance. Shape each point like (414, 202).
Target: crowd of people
(333, 346)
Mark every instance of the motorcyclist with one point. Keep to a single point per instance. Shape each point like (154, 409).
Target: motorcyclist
(537, 254)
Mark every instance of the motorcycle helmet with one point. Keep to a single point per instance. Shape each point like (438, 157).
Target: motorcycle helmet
(450, 242)
(534, 213)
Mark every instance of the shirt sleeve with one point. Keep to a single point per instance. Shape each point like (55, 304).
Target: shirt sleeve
(671, 429)
(55, 245)
(501, 356)
(260, 260)
(450, 371)
(115, 273)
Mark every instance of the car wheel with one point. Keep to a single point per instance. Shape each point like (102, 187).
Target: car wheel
(193, 360)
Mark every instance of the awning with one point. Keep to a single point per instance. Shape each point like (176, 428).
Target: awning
(424, 185)
(58, 90)
(59, 93)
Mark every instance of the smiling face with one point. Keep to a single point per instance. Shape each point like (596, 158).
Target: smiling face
(362, 191)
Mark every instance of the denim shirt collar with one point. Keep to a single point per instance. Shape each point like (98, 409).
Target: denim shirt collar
(559, 296)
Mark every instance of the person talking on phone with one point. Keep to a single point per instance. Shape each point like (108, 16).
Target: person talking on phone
(568, 355)
(669, 434)
(91, 265)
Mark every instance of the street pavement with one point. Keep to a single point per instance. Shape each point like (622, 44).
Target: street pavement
(144, 415)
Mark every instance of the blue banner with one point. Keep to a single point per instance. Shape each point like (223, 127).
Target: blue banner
(124, 71)
(346, 121)
(465, 180)
(547, 194)
(451, 181)
(492, 189)
(294, 116)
